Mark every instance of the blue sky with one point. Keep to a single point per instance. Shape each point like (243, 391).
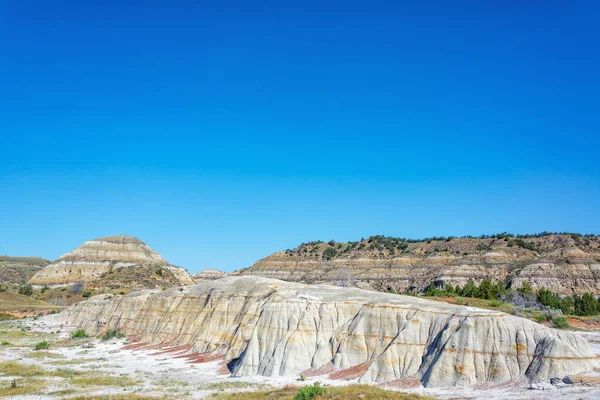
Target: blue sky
(220, 133)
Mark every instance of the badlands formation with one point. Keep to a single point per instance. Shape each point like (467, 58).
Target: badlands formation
(18, 270)
(209, 275)
(562, 263)
(113, 261)
(261, 326)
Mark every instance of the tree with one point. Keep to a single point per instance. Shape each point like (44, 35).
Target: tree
(431, 291)
(448, 288)
(526, 289)
(485, 290)
(329, 253)
(470, 290)
(586, 305)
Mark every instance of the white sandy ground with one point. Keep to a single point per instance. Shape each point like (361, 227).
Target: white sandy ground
(164, 375)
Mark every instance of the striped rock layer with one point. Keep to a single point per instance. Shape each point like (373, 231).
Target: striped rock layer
(269, 327)
(96, 259)
(559, 263)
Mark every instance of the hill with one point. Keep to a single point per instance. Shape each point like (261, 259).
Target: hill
(18, 270)
(113, 261)
(565, 263)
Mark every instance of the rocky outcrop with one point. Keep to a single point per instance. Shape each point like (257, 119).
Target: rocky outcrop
(209, 275)
(18, 270)
(106, 259)
(269, 327)
(563, 263)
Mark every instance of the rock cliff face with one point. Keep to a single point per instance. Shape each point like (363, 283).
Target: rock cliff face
(269, 327)
(18, 270)
(106, 261)
(563, 263)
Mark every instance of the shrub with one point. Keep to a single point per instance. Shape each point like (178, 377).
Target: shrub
(79, 334)
(77, 287)
(560, 322)
(26, 290)
(159, 272)
(87, 293)
(113, 333)
(5, 343)
(43, 290)
(329, 253)
(540, 318)
(301, 378)
(310, 392)
(494, 303)
(42, 345)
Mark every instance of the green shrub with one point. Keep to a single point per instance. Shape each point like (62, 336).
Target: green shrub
(540, 318)
(42, 345)
(310, 392)
(494, 303)
(26, 290)
(5, 344)
(560, 322)
(112, 333)
(87, 293)
(79, 334)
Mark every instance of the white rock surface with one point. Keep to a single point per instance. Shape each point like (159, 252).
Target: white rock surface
(269, 327)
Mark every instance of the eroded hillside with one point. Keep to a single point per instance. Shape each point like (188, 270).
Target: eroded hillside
(260, 326)
(18, 270)
(563, 263)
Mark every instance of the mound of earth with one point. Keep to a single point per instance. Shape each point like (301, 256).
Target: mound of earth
(18, 270)
(562, 263)
(113, 261)
(209, 275)
(268, 327)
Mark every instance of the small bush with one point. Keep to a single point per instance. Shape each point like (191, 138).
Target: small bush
(42, 345)
(310, 392)
(494, 303)
(26, 290)
(79, 334)
(113, 333)
(5, 344)
(87, 293)
(540, 318)
(301, 378)
(560, 322)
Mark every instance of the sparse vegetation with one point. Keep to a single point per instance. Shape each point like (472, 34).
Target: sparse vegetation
(560, 322)
(113, 334)
(309, 392)
(79, 334)
(43, 345)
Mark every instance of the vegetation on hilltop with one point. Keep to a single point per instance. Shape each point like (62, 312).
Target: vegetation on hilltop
(458, 245)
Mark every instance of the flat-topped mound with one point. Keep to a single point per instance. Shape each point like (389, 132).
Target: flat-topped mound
(269, 327)
(209, 275)
(100, 260)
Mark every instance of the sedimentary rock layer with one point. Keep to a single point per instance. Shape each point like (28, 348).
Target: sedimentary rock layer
(565, 264)
(96, 259)
(269, 327)
(209, 275)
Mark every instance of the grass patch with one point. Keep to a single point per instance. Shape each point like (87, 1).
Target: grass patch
(44, 354)
(15, 369)
(24, 387)
(105, 380)
(560, 322)
(364, 392)
(115, 397)
(112, 334)
(79, 334)
(43, 345)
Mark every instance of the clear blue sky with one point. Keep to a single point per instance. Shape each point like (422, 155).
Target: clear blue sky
(220, 132)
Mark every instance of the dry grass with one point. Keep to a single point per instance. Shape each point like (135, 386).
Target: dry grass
(116, 397)
(16, 369)
(363, 392)
(105, 380)
(24, 387)
(44, 354)
(14, 301)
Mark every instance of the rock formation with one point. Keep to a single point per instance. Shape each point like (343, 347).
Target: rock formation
(563, 263)
(18, 270)
(209, 275)
(269, 327)
(113, 261)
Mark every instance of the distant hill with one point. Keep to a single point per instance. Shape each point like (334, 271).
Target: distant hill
(565, 263)
(18, 270)
(113, 262)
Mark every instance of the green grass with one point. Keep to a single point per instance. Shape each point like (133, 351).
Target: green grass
(363, 392)
(560, 322)
(43, 345)
(12, 368)
(79, 334)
